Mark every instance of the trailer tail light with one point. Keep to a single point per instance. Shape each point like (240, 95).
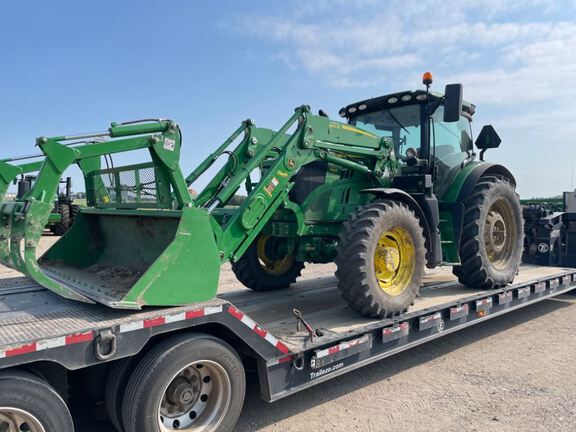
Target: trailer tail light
(482, 306)
(321, 358)
(430, 321)
(458, 312)
(394, 333)
(523, 292)
(553, 284)
(539, 287)
(505, 298)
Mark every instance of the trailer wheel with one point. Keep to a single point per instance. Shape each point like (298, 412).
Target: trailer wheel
(492, 237)
(262, 268)
(381, 259)
(190, 382)
(28, 403)
(61, 227)
(116, 383)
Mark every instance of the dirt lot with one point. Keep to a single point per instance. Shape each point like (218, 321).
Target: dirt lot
(511, 373)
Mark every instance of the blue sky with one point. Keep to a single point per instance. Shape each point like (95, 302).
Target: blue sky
(70, 66)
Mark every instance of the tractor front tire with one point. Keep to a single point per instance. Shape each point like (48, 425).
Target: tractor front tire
(381, 258)
(260, 272)
(492, 236)
(60, 228)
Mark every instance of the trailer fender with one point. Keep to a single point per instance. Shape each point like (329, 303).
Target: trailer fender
(426, 209)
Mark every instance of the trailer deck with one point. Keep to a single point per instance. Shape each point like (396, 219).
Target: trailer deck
(36, 324)
(323, 307)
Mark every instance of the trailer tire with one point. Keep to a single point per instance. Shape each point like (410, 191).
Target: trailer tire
(491, 262)
(174, 384)
(116, 383)
(380, 258)
(28, 403)
(60, 228)
(259, 273)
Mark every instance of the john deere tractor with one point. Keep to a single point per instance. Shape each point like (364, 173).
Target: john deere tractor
(24, 176)
(394, 189)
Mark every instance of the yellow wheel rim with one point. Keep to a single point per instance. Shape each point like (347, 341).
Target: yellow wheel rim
(394, 261)
(274, 267)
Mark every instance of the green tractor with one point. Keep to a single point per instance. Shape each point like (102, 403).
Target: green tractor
(24, 176)
(393, 190)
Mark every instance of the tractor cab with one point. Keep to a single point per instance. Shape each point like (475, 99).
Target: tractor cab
(431, 133)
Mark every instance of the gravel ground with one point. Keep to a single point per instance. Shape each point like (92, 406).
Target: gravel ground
(512, 373)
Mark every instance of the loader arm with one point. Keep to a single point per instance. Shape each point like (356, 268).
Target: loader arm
(143, 240)
(280, 156)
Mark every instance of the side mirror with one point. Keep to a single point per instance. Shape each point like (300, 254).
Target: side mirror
(488, 138)
(452, 102)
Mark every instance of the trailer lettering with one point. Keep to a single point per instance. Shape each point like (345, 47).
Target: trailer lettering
(325, 371)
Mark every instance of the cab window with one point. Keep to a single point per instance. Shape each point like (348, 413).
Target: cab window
(453, 141)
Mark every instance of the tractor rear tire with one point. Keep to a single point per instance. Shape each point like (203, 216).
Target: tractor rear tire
(260, 273)
(381, 257)
(492, 237)
(74, 210)
(60, 228)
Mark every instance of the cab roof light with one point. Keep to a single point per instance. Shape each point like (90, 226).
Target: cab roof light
(427, 78)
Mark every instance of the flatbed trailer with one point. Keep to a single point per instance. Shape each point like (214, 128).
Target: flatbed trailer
(294, 338)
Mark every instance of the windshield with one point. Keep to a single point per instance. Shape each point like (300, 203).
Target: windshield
(402, 124)
(451, 143)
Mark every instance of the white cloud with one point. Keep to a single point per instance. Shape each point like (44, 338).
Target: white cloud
(516, 59)
(361, 43)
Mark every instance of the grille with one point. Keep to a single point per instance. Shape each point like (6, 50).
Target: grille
(128, 186)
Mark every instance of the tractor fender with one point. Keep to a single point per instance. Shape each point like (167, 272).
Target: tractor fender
(481, 170)
(426, 209)
(398, 195)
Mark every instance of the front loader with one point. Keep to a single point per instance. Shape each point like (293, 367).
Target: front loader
(394, 189)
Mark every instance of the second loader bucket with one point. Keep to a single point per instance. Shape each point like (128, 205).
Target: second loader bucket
(135, 258)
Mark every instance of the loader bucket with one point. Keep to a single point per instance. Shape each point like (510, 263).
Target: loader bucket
(133, 258)
(141, 242)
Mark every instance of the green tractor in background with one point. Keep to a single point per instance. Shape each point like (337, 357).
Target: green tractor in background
(395, 189)
(24, 176)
